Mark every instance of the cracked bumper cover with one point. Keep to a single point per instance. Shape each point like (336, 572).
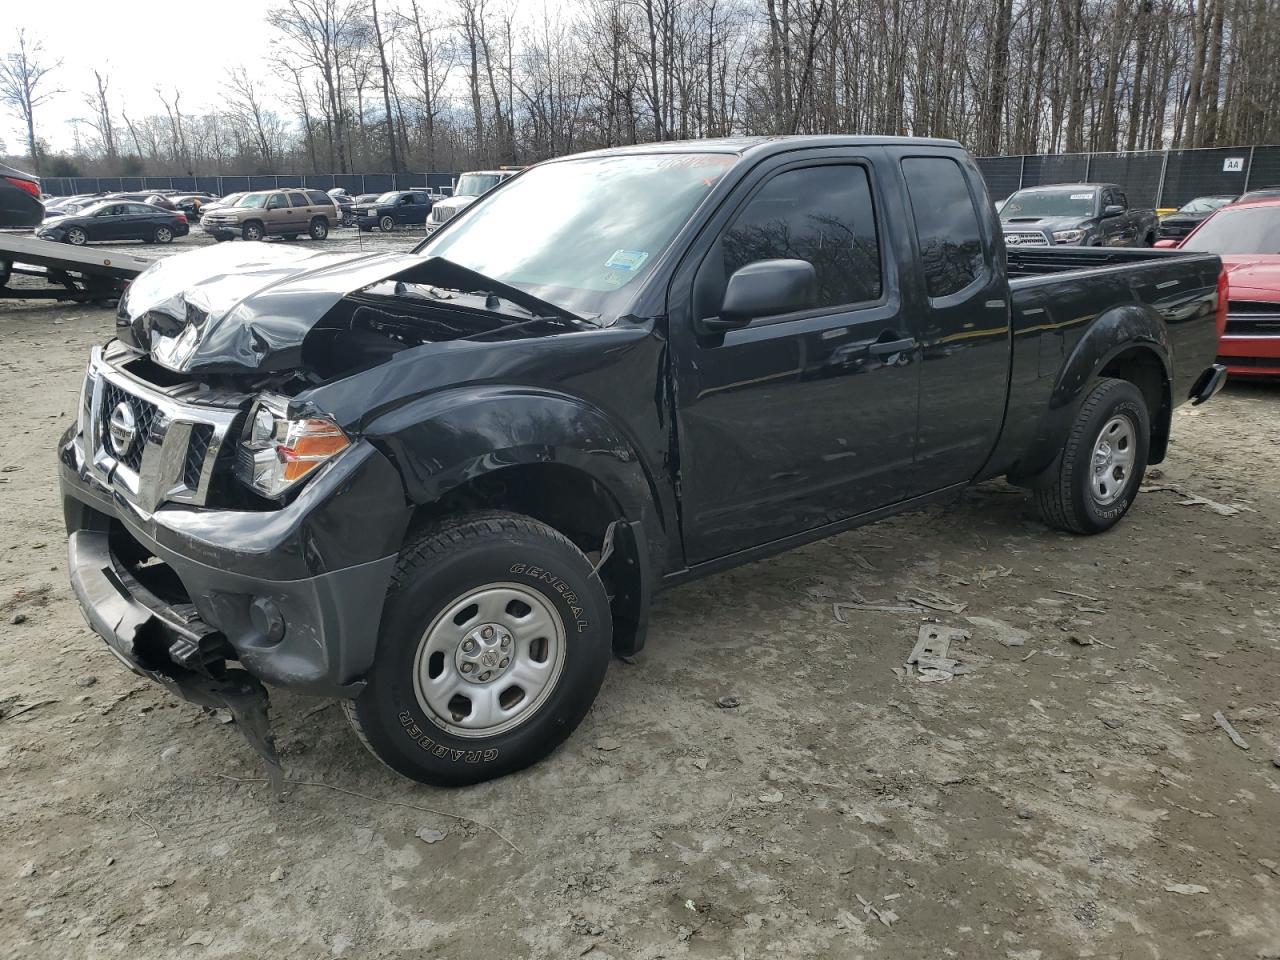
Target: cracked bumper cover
(323, 562)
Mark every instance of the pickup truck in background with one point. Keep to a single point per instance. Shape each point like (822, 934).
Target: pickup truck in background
(443, 485)
(1078, 215)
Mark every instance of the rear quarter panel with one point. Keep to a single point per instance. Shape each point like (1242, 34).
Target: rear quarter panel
(1067, 326)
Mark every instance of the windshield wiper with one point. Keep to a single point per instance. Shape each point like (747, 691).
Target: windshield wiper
(444, 273)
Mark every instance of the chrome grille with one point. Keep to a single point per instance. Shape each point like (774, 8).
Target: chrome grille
(1253, 318)
(176, 441)
(441, 214)
(144, 416)
(1022, 238)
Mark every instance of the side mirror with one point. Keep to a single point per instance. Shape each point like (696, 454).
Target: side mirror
(1167, 244)
(1112, 210)
(764, 289)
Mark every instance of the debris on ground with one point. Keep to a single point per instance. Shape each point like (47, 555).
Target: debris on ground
(1004, 633)
(772, 796)
(883, 914)
(11, 709)
(19, 618)
(1195, 500)
(729, 702)
(930, 654)
(201, 938)
(932, 600)
(1185, 888)
(608, 744)
(1225, 724)
(1111, 723)
(429, 835)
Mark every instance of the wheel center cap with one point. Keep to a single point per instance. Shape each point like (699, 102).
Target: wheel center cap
(485, 653)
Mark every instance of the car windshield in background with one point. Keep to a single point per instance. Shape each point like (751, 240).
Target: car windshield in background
(612, 218)
(1239, 231)
(389, 197)
(254, 200)
(1205, 204)
(1048, 203)
(474, 184)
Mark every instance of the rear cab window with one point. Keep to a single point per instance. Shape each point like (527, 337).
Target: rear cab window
(946, 224)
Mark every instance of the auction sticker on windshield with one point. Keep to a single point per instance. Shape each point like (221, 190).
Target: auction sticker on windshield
(627, 260)
(1082, 196)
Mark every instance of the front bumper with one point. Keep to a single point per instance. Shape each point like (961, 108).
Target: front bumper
(222, 230)
(295, 594)
(1250, 356)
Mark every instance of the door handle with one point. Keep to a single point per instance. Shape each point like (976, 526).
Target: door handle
(884, 348)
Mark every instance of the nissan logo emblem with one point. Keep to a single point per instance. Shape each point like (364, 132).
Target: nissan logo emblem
(122, 429)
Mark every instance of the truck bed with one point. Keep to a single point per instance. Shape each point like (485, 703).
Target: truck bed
(1026, 262)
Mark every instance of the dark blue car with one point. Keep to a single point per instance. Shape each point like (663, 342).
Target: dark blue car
(396, 208)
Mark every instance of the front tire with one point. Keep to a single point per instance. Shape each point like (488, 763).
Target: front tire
(386, 224)
(494, 642)
(319, 228)
(251, 231)
(77, 237)
(1098, 473)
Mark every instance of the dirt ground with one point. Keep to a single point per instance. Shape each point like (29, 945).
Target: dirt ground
(1068, 797)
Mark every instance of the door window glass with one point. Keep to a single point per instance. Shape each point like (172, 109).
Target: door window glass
(823, 215)
(946, 223)
(297, 200)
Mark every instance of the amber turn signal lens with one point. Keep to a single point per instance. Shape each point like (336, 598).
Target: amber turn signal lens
(309, 443)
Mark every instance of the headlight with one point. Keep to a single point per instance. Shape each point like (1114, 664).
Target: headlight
(1068, 236)
(276, 452)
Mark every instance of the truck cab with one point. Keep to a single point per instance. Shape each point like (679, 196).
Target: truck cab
(468, 187)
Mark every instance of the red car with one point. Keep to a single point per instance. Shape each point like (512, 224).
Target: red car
(1247, 237)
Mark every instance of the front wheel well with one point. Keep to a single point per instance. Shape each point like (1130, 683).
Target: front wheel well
(1143, 368)
(576, 505)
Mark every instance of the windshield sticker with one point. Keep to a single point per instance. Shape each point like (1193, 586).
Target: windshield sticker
(1082, 196)
(630, 260)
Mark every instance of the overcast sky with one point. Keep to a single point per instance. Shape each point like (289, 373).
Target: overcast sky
(140, 44)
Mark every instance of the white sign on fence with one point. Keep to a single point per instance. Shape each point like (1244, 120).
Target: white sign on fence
(1233, 165)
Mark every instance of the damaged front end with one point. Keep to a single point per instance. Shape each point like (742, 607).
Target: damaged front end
(227, 531)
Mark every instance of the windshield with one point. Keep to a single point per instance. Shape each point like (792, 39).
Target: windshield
(1238, 230)
(474, 184)
(1205, 204)
(254, 200)
(1048, 203)
(610, 220)
(390, 197)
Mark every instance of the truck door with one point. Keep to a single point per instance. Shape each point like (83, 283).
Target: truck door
(300, 210)
(802, 419)
(964, 330)
(1115, 229)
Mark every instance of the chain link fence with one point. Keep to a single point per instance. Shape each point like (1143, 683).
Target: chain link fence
(1161, 179)
(354, 183)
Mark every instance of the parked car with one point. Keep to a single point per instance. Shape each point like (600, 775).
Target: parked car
(1076, 214)
(1190, 215)
(469, 187)
(443, 485)
(230, 200)
(1247, 237)
(116, 220)
(396, 208)
(193, 204)
(1261, 193)
(20, 204)
(154, 198)
(274, 213)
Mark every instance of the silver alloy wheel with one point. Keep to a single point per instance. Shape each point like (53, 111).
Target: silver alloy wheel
(489, 660)
(77, 237)
(163, 234)
(319, 230)
(253, 232)
(1113, 454)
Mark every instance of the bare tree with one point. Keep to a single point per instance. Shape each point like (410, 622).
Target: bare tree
(24, 73)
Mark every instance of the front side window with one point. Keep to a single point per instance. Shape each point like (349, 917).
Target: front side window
(822, 215)
(946, 223)
(611, 220)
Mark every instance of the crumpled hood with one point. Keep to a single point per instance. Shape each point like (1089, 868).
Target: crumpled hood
(237, 307)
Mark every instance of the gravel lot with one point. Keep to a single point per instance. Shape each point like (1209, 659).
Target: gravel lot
(1068, 797)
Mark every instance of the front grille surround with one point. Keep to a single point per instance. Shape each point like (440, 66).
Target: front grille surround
(1025, 238)
(177, 441)
(1253, 318)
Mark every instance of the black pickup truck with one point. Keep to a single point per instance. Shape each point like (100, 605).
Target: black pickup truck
(444, 485)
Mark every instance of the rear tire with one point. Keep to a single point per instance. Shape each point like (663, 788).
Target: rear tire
(1097, 475)
(162, 235)
(446, 706)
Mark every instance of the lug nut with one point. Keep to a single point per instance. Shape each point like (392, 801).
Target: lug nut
(468, 667)
(505, 661)
(468, 645)
(487, 633)
(506, 642)
(486, 675)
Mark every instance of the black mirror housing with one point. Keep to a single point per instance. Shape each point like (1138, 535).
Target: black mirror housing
(764, 289)
(1112, 210)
